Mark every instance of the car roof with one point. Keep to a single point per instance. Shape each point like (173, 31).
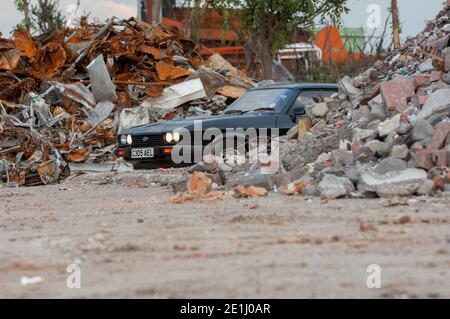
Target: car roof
(300, 86)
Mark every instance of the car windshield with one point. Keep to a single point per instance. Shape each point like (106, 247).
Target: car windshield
(270, 99)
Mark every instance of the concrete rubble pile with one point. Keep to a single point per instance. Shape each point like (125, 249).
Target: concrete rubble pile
(385, 134)
(64, 96)
(398, 114)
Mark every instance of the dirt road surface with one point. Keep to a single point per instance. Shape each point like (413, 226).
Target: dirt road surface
(132, 242)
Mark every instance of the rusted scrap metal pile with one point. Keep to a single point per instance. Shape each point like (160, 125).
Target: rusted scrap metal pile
(386, 134)
(63, 96)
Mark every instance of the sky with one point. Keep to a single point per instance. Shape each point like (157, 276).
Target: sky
(413, 13)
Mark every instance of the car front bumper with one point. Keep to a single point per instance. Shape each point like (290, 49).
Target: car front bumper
(161, 153)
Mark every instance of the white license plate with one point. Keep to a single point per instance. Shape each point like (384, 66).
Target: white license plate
(142, 152)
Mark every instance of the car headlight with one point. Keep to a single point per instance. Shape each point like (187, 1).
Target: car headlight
(129, 140)
(169, 137)
(176, 137)
(123, 139)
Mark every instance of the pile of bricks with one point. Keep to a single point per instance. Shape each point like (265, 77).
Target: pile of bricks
(385, 134)
(399, 113)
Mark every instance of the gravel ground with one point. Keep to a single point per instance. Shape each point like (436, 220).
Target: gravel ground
(131, 241)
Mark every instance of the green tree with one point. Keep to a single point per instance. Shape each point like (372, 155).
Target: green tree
(268, 24)
(24, 7)
(47, 16)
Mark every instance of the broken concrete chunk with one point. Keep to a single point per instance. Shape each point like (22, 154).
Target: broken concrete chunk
(342, 158)
(390, 164)
(332, 187)
(362, 114)
(334, 104)
(400, 151)
(426, 66)
(427, 189)
(363, 134)
(422, 130)
(378, 147)
(389, 126)
(346, 87)
(446, 78)
(438, 101)
(352, 174)
(320, 110)
(256, 178)
(377, 109)
(403, 183)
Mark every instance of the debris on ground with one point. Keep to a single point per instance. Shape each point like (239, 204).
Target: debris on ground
(398, 113)
(28, 281)
(64, 96)
(199, 188)
(385, 134)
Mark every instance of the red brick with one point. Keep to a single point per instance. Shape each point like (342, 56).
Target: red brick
(440, 135)
(439, 182)
(254, 191)
(422, 80)
(365, 227)
(199, 184)
(422, 99)
(240, 192)
(397, 91)
(440, 158)
(436, 76)
(423, 160)
(416, 146)
(447, 178)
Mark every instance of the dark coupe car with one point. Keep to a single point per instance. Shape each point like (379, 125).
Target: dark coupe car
(269, 107)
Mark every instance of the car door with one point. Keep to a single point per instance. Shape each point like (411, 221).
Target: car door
(288, 120)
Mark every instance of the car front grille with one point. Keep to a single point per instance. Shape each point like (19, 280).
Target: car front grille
(148, 140)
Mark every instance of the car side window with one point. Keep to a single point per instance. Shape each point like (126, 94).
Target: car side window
(310, 96)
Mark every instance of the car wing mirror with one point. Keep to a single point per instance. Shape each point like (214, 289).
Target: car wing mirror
(299, 111)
